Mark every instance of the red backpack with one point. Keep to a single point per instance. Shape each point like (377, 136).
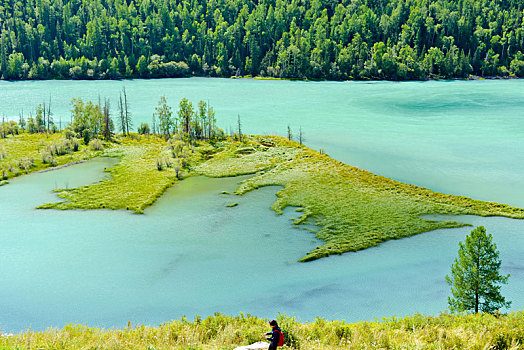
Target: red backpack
(281, 339)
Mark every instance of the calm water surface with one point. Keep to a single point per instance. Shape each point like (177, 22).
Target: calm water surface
(189, 254)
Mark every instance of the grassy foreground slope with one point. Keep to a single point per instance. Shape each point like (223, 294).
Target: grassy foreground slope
(481, 331)
(352, 208)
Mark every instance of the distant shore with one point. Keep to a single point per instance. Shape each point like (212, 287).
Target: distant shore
(257, 77)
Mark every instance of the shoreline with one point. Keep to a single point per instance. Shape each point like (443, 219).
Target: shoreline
(59, 166)
(261, 78)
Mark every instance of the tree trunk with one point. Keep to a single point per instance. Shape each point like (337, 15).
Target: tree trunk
(477, 282)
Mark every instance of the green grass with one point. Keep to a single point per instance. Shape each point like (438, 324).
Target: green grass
(446, 331)
(26, 153)
(136, 181)
(353, 209)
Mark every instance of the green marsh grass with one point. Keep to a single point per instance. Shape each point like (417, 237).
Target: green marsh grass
(134, 182)
(26, 153)
(147, 167)
(353, 209)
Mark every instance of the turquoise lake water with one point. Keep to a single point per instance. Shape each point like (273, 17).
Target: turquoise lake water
(189, 254)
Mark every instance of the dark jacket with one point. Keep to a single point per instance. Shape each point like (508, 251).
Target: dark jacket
(275, 336)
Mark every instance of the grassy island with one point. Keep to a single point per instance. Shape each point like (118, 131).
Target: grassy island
(353, 209)
(481, 331)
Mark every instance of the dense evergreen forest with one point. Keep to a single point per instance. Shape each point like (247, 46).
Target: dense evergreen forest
(305, 39)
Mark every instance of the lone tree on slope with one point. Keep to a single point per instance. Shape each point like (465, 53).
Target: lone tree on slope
(475, 278)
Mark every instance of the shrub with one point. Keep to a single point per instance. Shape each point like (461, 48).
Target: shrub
(96, 145)
(25, 164)
(69, 133)
(75, 144)
(60, 148)
(144, 129)
(163, 162)
(46, 156)
(86, 135)
(160, 165)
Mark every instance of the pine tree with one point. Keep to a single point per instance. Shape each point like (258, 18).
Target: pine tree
(475, 278)
(40, 118)
(107, 126)
(202, 119)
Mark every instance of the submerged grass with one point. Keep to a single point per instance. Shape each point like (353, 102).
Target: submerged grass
(481, 331)
(353, 209)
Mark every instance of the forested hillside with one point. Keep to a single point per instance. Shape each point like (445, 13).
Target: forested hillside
(313, 39)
